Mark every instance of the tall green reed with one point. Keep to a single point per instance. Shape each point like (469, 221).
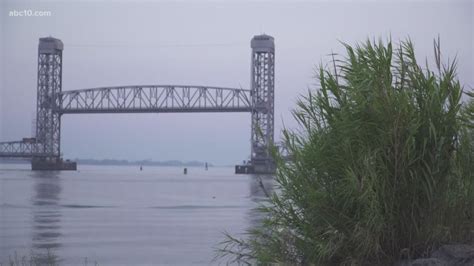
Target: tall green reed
(382, 166)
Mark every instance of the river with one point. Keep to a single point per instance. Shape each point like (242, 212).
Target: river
(119, 215)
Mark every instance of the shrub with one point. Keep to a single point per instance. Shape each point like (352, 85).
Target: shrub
(382, 165)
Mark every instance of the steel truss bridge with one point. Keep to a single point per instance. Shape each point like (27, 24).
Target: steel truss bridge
(52, 103)
(154, 99)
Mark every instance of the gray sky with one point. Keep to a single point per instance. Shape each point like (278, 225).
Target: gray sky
(108, 43)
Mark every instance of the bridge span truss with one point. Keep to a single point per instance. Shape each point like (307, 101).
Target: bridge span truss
(154, 99)
(21, 149)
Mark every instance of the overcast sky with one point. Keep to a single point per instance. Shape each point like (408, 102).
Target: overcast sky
(110, 43)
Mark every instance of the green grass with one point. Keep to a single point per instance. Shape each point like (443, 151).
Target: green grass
(382, 165)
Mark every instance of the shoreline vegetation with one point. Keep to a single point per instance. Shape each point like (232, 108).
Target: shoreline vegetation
(123, 162)
(381, 169)
(48, 258)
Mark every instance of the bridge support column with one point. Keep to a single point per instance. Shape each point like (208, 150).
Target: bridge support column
(48, 119)
(262, 94)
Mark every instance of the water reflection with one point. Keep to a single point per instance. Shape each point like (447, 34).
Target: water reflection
(46, 211)
(261, 187)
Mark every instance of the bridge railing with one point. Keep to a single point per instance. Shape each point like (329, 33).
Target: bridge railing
(155, 98)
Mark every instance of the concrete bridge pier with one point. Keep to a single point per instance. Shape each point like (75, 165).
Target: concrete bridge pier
(53, 163)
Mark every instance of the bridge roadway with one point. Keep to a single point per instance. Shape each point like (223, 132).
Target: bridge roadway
(137, 99)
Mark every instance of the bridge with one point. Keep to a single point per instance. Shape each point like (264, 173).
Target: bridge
(52, 102)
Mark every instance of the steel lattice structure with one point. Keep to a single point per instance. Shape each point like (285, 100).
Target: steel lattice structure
(263, 98)
(22, 149)
(48, 122)
(52, 103)
(154, 99)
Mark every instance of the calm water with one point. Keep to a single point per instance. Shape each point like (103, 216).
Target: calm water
(120, 215)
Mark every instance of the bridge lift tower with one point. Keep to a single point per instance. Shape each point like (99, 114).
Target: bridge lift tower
(45, 148)
(48, 120)
(262, 84)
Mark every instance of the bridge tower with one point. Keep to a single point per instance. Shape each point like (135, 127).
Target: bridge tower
(48, 119)
(262, 86)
